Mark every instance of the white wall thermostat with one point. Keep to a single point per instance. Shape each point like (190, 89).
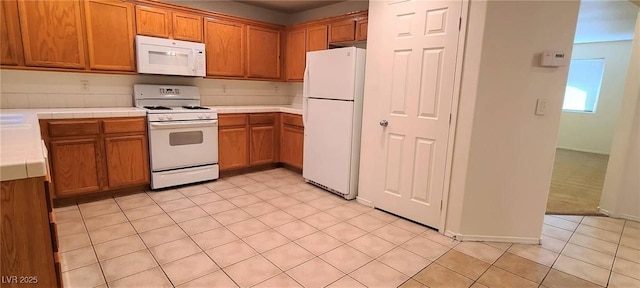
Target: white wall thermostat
(553, 59)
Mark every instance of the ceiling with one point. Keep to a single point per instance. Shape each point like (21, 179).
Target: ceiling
(606, 20)
(289, 6)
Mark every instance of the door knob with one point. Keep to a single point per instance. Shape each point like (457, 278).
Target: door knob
(384, 123)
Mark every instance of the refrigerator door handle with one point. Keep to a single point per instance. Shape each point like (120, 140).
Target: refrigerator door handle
(305, 99)
(305, 103)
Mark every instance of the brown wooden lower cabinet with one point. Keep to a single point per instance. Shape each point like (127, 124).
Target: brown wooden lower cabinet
(89, 156)
(232, 148)
(263, 140)
(292, 140)
(127, 160)
(246, 140)
(27, 245)
(75, 165)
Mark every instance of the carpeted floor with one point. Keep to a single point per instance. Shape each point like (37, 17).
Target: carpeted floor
(576, 184)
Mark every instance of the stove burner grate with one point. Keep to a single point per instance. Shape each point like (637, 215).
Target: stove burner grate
(156, 107)
(195, 107)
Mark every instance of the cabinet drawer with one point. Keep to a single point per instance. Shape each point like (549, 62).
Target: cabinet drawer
(229, 120)
(124, 125)
(74, 128)
(257, 119)
(293, 120)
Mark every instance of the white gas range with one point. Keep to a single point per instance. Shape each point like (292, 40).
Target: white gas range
(183, 136)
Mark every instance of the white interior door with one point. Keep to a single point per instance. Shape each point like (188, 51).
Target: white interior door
(409, 80)
(328, 131)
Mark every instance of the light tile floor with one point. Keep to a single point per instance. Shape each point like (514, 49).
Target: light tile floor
(270, 229)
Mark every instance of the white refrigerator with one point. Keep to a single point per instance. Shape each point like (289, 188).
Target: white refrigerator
(332, 115)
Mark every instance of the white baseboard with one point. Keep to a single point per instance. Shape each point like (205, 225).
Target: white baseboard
(364, 202)
(630, 217)
(621, 216)
(451, 234)
(604, 211)
(483, 238)
(583, 150)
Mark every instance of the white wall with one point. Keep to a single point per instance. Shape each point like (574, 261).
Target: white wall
(236, 9)
(593, 132)
(340, 8)
(503, 153)
(621, 191)
(39, 89)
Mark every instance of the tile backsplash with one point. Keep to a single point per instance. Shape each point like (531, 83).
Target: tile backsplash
(296, 91)
(40, 89)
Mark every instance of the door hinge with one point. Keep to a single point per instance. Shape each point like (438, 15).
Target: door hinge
(449, 118)
(440, 205)
(460, 24)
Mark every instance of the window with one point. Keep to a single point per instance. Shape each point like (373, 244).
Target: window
(583, 85)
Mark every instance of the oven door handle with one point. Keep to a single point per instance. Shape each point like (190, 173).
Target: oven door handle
(183, 124)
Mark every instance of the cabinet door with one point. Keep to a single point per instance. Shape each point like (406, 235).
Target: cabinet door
(291, 146)
(296, 52)
(361, 29)
(127, 160)
(263, 52)
(232, 147)
(317, 38)
(225, 48)
(187, 27)
(52, 33)
(262, 145)
(10, 42)
(26, 234)
(153, 21)
(342, 31)
(75, 165)
(110, 35)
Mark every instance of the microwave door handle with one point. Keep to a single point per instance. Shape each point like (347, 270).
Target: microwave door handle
(192, 62)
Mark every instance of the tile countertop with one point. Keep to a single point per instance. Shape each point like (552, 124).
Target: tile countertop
(22, 151)
(257, 109)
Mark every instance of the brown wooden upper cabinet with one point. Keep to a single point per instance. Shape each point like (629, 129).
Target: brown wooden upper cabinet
(159, 22)
(317, 38)
(110, 35)
(296, 54)
(187, 27)
(224, 43)
(52, 33)
(152, 21)
(263, 52)
(361, 29)
(342, 31)
(10, 42)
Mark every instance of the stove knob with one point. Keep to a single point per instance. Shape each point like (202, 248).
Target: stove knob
(169, 117)
(161, 117)
(208, 116)
(200, 116)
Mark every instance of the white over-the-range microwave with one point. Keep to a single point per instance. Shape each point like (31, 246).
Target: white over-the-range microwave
(170, 57)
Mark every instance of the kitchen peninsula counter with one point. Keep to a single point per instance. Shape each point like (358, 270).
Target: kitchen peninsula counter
(22, 151)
